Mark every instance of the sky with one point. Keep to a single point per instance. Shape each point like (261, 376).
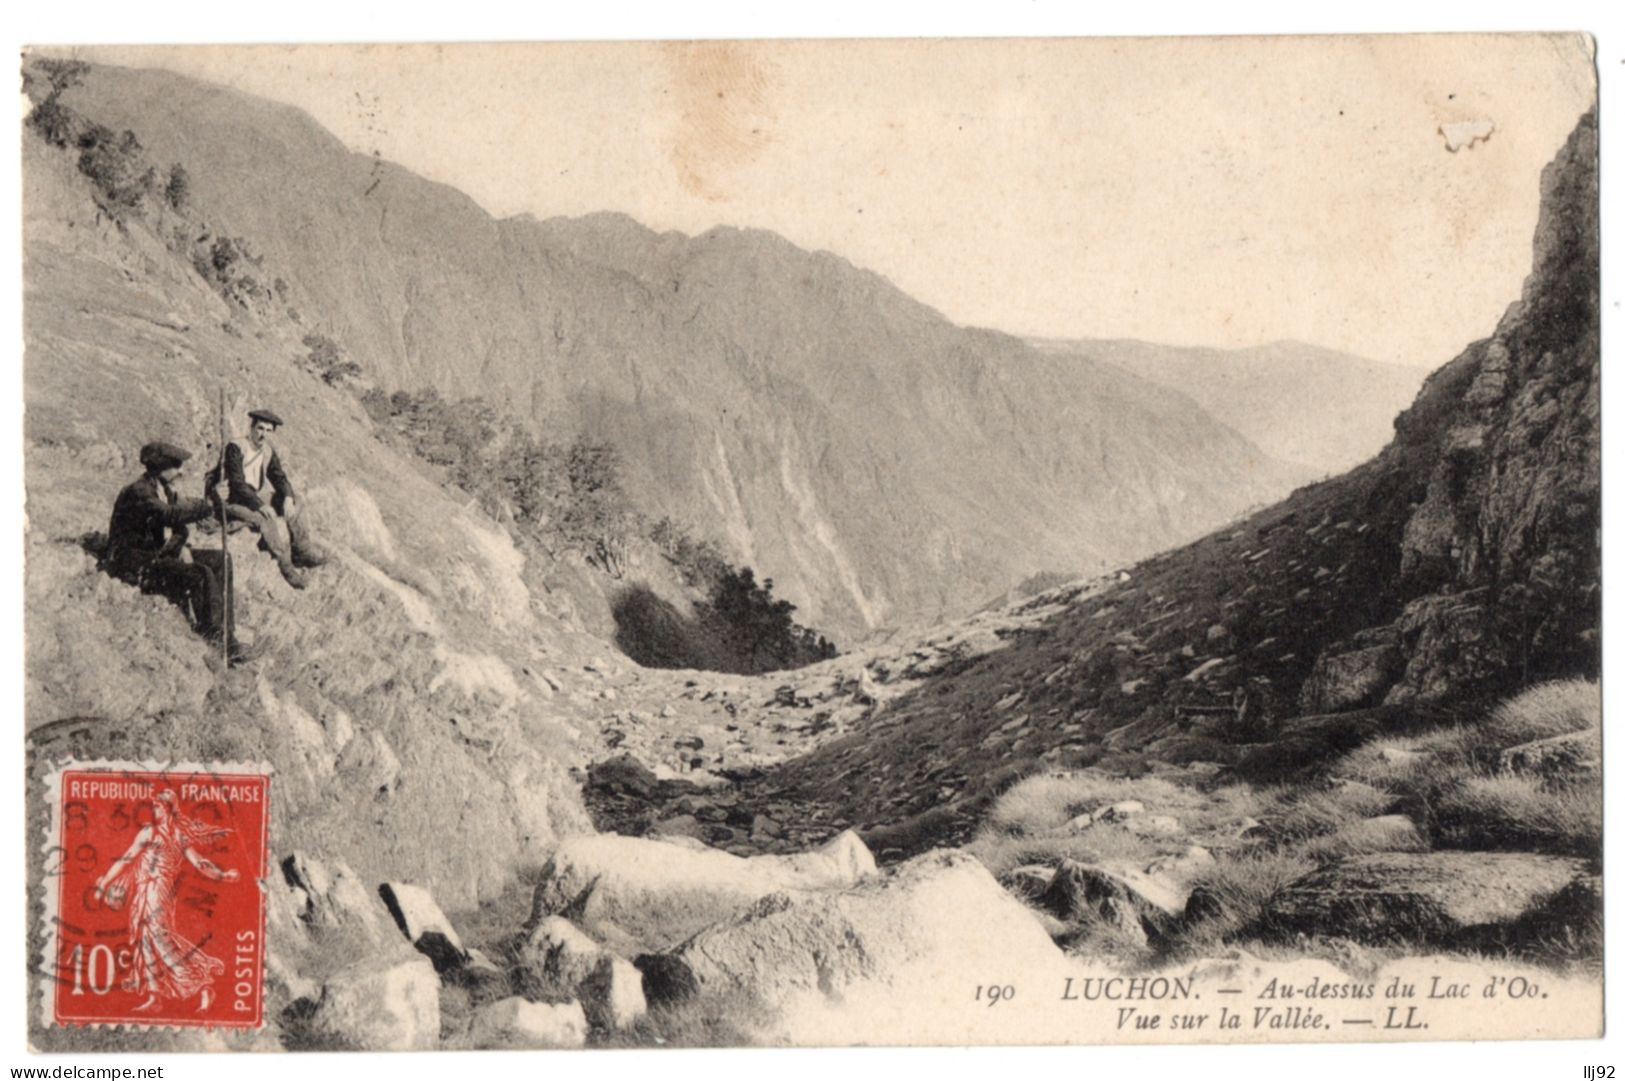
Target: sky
(1224, 192)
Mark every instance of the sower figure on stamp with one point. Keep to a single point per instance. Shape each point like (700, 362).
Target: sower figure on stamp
(146, 546)
(163, 963)
(262, 497)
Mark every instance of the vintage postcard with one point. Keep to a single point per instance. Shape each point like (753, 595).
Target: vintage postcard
(812, 543)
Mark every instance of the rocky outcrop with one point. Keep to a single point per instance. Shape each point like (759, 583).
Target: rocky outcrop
(1424, 899)
(940, 916)
(1512, 493)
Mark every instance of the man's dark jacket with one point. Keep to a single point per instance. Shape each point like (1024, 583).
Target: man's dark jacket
(241, 493)
(149, 522)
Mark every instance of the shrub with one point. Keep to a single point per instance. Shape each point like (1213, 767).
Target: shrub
(117, 166)
(327, 360)
(178, 190)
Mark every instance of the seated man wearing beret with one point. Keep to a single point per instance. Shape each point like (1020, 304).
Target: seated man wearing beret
(146, 541)
(262, 496)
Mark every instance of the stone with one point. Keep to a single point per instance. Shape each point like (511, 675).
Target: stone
(1182, 867)
(373, 1006)
(1117, 812)
(677, 826)
(937, 920)
(514, 1023)
(622, 776)
(666, 980)
(561, 954)
(612, 995)
(423, 924)
(642, 895)
(1113, 893)
(1153, 825)
(1076, 824)
(1568, 754)
(1350, 680)
(1402, 756)
(1028, 882)
(333, 897)
(1433, 898)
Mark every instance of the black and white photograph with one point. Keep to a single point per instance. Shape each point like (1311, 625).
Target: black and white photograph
(811, 543)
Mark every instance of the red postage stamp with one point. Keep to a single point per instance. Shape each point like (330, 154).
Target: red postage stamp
(154, 905)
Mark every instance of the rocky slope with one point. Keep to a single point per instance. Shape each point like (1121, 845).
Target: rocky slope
(1324, 410)
(880, 464)
(1458, 565)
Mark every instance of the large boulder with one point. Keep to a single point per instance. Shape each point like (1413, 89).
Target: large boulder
(368, 1006)
(638, 895)
(940, 920)
(1423, 898)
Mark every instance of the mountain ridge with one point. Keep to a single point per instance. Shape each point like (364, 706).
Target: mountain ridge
(1321, 408)
(933, 461)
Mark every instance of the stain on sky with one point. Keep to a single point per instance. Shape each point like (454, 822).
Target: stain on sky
(723, 117)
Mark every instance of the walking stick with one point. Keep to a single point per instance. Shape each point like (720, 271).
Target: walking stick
(225, 553)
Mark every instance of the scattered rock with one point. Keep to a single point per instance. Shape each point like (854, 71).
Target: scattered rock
(561, 954)
(423, 924)
(1153, 825)
(515, 1023)
(622, 776)
(1028, 882)
(333, 898)
(1183, 867)
(394, 1006)
(1123, 896)
(1571, 753)
(612, 994)
(1117, 812)
(666, 980)
(678, 826)
(1436, 898)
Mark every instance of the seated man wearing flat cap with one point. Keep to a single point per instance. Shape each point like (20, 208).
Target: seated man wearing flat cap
(262, 496)
(146, 543)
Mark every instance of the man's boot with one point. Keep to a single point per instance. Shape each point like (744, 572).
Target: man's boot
(306, 553)
(276, 542)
